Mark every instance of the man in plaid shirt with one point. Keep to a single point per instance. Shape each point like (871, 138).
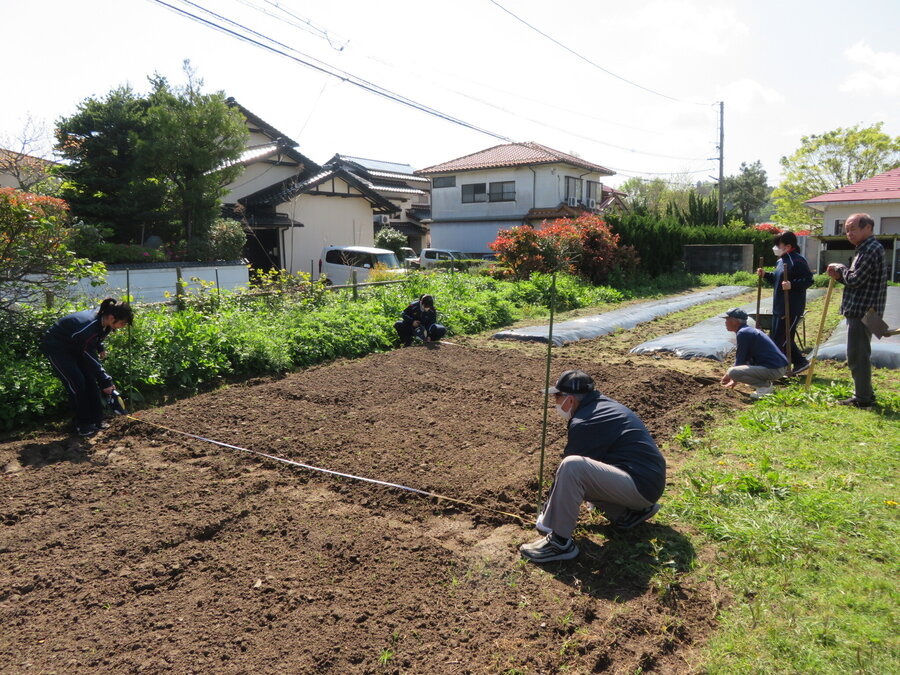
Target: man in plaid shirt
(865, 287)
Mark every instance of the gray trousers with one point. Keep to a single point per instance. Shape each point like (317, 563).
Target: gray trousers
(859, 358)
(756, 376)
(580, 479)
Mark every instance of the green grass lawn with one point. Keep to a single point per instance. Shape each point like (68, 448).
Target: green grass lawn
(799, 498)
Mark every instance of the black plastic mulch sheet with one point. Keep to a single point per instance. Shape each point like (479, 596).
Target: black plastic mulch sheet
(709, 339)
(885, 352)
(589, 327)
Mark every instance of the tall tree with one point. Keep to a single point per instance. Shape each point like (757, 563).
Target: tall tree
(830, 161)
(105, 184)
(748, 191)
(154, 164)
(192, 142)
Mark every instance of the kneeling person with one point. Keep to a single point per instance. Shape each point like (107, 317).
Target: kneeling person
(758, 360)
(610, 460)
(419, 319)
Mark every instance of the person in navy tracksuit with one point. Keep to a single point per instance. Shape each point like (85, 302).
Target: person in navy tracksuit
(792, 274)
(74, 346)
(419, 319)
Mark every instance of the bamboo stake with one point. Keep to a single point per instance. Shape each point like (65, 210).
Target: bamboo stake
(540, 487)
(812, 361)
(759, 282)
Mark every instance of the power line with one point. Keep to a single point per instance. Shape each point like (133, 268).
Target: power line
(587, 60)
(324, 67)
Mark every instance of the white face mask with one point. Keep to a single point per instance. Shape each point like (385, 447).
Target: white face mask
(562, 413)
(777, 251)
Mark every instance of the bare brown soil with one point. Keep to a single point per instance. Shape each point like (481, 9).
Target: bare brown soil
(143, 550)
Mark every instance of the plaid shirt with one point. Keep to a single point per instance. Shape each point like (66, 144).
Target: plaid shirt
(865, 281)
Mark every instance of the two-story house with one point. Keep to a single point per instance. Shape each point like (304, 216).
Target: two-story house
(476, 196)
(292, 207)
(878, 196)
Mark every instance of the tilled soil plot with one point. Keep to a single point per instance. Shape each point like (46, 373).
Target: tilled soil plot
(144, 550)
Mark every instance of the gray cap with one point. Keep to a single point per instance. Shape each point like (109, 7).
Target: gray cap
(573, 382)
(735, 313)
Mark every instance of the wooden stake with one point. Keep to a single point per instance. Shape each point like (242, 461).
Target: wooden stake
(812, 361)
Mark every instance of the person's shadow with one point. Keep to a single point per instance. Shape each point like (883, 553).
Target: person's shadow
(629, 562)
(38, 455)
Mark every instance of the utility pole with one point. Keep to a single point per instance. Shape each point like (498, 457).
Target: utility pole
(721, 163)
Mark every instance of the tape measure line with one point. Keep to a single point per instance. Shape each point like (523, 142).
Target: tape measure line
(309, 467)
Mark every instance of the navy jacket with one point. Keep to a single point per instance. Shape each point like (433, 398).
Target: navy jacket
(801, 278)
(755, 348)
(607, 431)
(414, 312)
(79, 336)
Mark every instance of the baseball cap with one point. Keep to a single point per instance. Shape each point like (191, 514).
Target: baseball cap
(573, 382)
(735, 313)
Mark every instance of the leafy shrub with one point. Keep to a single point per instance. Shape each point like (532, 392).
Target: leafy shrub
(226, 240)
(391, 239)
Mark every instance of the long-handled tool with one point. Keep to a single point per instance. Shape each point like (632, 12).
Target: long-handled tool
(812, 360)
(787, 313)
(759, 281)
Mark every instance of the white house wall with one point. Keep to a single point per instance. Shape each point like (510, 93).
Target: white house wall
(327, 221)
(877, 209)
(466, 227)
(257, 176)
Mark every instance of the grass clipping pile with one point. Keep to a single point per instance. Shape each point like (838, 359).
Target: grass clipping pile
(145, 551)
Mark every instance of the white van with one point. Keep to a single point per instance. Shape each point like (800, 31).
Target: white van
(337, 262)
(438, 257)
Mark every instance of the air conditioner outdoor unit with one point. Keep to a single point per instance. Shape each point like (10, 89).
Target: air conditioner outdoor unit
(572, 201)
(592, 204)
(384, 219)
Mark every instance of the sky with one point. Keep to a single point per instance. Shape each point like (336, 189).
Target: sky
(633, 86)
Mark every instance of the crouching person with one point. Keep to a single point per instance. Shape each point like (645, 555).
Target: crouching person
(758, 361)
(419, 319)
(610, 460)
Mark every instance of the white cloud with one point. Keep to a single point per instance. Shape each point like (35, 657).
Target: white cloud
(879, 72)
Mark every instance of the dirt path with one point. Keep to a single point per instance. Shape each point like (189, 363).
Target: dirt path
(145, 551)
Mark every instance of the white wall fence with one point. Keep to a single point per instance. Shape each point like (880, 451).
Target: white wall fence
(149, 283)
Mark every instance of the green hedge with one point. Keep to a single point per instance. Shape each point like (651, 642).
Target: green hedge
(659, 239)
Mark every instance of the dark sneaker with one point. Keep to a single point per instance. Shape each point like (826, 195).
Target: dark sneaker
(86, 430)
(856, 403)
(802, 368)
(546, 550)
(633, 518)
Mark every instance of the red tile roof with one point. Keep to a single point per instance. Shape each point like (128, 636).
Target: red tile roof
(513, 154)
(883, 186)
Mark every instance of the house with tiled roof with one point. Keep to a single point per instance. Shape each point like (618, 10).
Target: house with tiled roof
(397, 183)
(292, 207)
(878, 196)
(22, 171)
(475, 196)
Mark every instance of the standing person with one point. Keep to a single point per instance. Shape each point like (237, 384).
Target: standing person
(610, 460)
(757, 361)
(792, 274)
(419, 319)
(865, 287)
(74, 346)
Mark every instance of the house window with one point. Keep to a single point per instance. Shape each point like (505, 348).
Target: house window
(443, 181)
(593, 190)
(573, 189)
(890, 225)
(503, 192)
(839, 227)
(474, 192)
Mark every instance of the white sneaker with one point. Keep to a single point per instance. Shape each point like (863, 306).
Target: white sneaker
(539, 524)
(762, 391)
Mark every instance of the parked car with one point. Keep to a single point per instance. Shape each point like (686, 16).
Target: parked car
(337, 262)
(439, 257)
(408, 257)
